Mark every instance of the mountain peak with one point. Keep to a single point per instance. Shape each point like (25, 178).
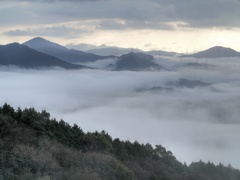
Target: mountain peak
(215, 52)
(103, 46)
(219, 47)
(39, 42)
(135, 62)
(138, 55)
(39, 39)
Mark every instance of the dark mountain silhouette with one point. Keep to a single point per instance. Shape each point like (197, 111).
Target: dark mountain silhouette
(61, 52)
(189, 83)
(161, 53)
(198, 66)
(215, 52)
(181, 83)
(135, 62)
(154, 89)
(23, 56)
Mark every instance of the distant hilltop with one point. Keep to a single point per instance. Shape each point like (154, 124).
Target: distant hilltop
(105, 50)
(135, 62)
(215, 52)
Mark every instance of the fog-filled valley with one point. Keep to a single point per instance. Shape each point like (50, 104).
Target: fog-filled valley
(190, 106)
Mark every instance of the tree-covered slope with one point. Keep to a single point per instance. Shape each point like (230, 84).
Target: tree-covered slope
(35, 146)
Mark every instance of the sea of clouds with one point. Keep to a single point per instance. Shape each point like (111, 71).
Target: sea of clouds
(194, 123)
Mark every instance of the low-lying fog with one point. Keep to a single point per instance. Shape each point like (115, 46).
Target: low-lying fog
(194, 123)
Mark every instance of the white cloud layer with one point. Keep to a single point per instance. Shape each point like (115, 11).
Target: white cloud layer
(198, 123)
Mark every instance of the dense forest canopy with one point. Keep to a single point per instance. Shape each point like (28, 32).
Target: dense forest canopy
(35, 146)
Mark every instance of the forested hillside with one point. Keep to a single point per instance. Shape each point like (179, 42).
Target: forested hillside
(35, 146)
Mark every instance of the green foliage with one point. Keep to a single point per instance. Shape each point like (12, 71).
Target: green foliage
(35, 146)
(98, 142)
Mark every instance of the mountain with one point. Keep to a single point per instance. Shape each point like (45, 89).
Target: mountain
(189, 83)
(104, 50)
(181, 83)
(198, 66)
(161, 53)
(39, 43)
(84, 47)
(115, 51)
(215, 52)
(61, 52)
(135, 62)
(155, 89)
(23, 56)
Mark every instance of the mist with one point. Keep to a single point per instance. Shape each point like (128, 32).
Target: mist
(200, 123)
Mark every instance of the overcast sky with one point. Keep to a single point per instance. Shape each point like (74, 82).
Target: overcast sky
(176, 25)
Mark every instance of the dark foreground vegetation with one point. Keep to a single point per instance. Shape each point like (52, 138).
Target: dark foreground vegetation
(34, 146)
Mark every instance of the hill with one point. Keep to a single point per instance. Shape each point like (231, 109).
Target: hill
(105, 50)
(161, 53)
(102, 50)
(115, 51)
(84, 46)
(135, 62)
(189, 83)
(61, 52)
(215, 52)
(25, 57)
(35, 146)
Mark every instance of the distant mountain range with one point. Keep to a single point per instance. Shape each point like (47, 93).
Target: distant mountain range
(189, 83)
(135, 62)
(102, 50)
(115, 51)
(39, 52)
(105, 50)
(25, 57)
(76, 53)
(161, 53)
(215, 52)
(181, 83)
(85, 47)
(61, 52)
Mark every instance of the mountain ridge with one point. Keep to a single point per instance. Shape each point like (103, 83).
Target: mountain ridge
(215, 52)
(61, 52)
(105, 50)
(135, 62)
(25, 57)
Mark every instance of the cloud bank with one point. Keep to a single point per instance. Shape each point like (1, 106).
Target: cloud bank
(195, 123)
